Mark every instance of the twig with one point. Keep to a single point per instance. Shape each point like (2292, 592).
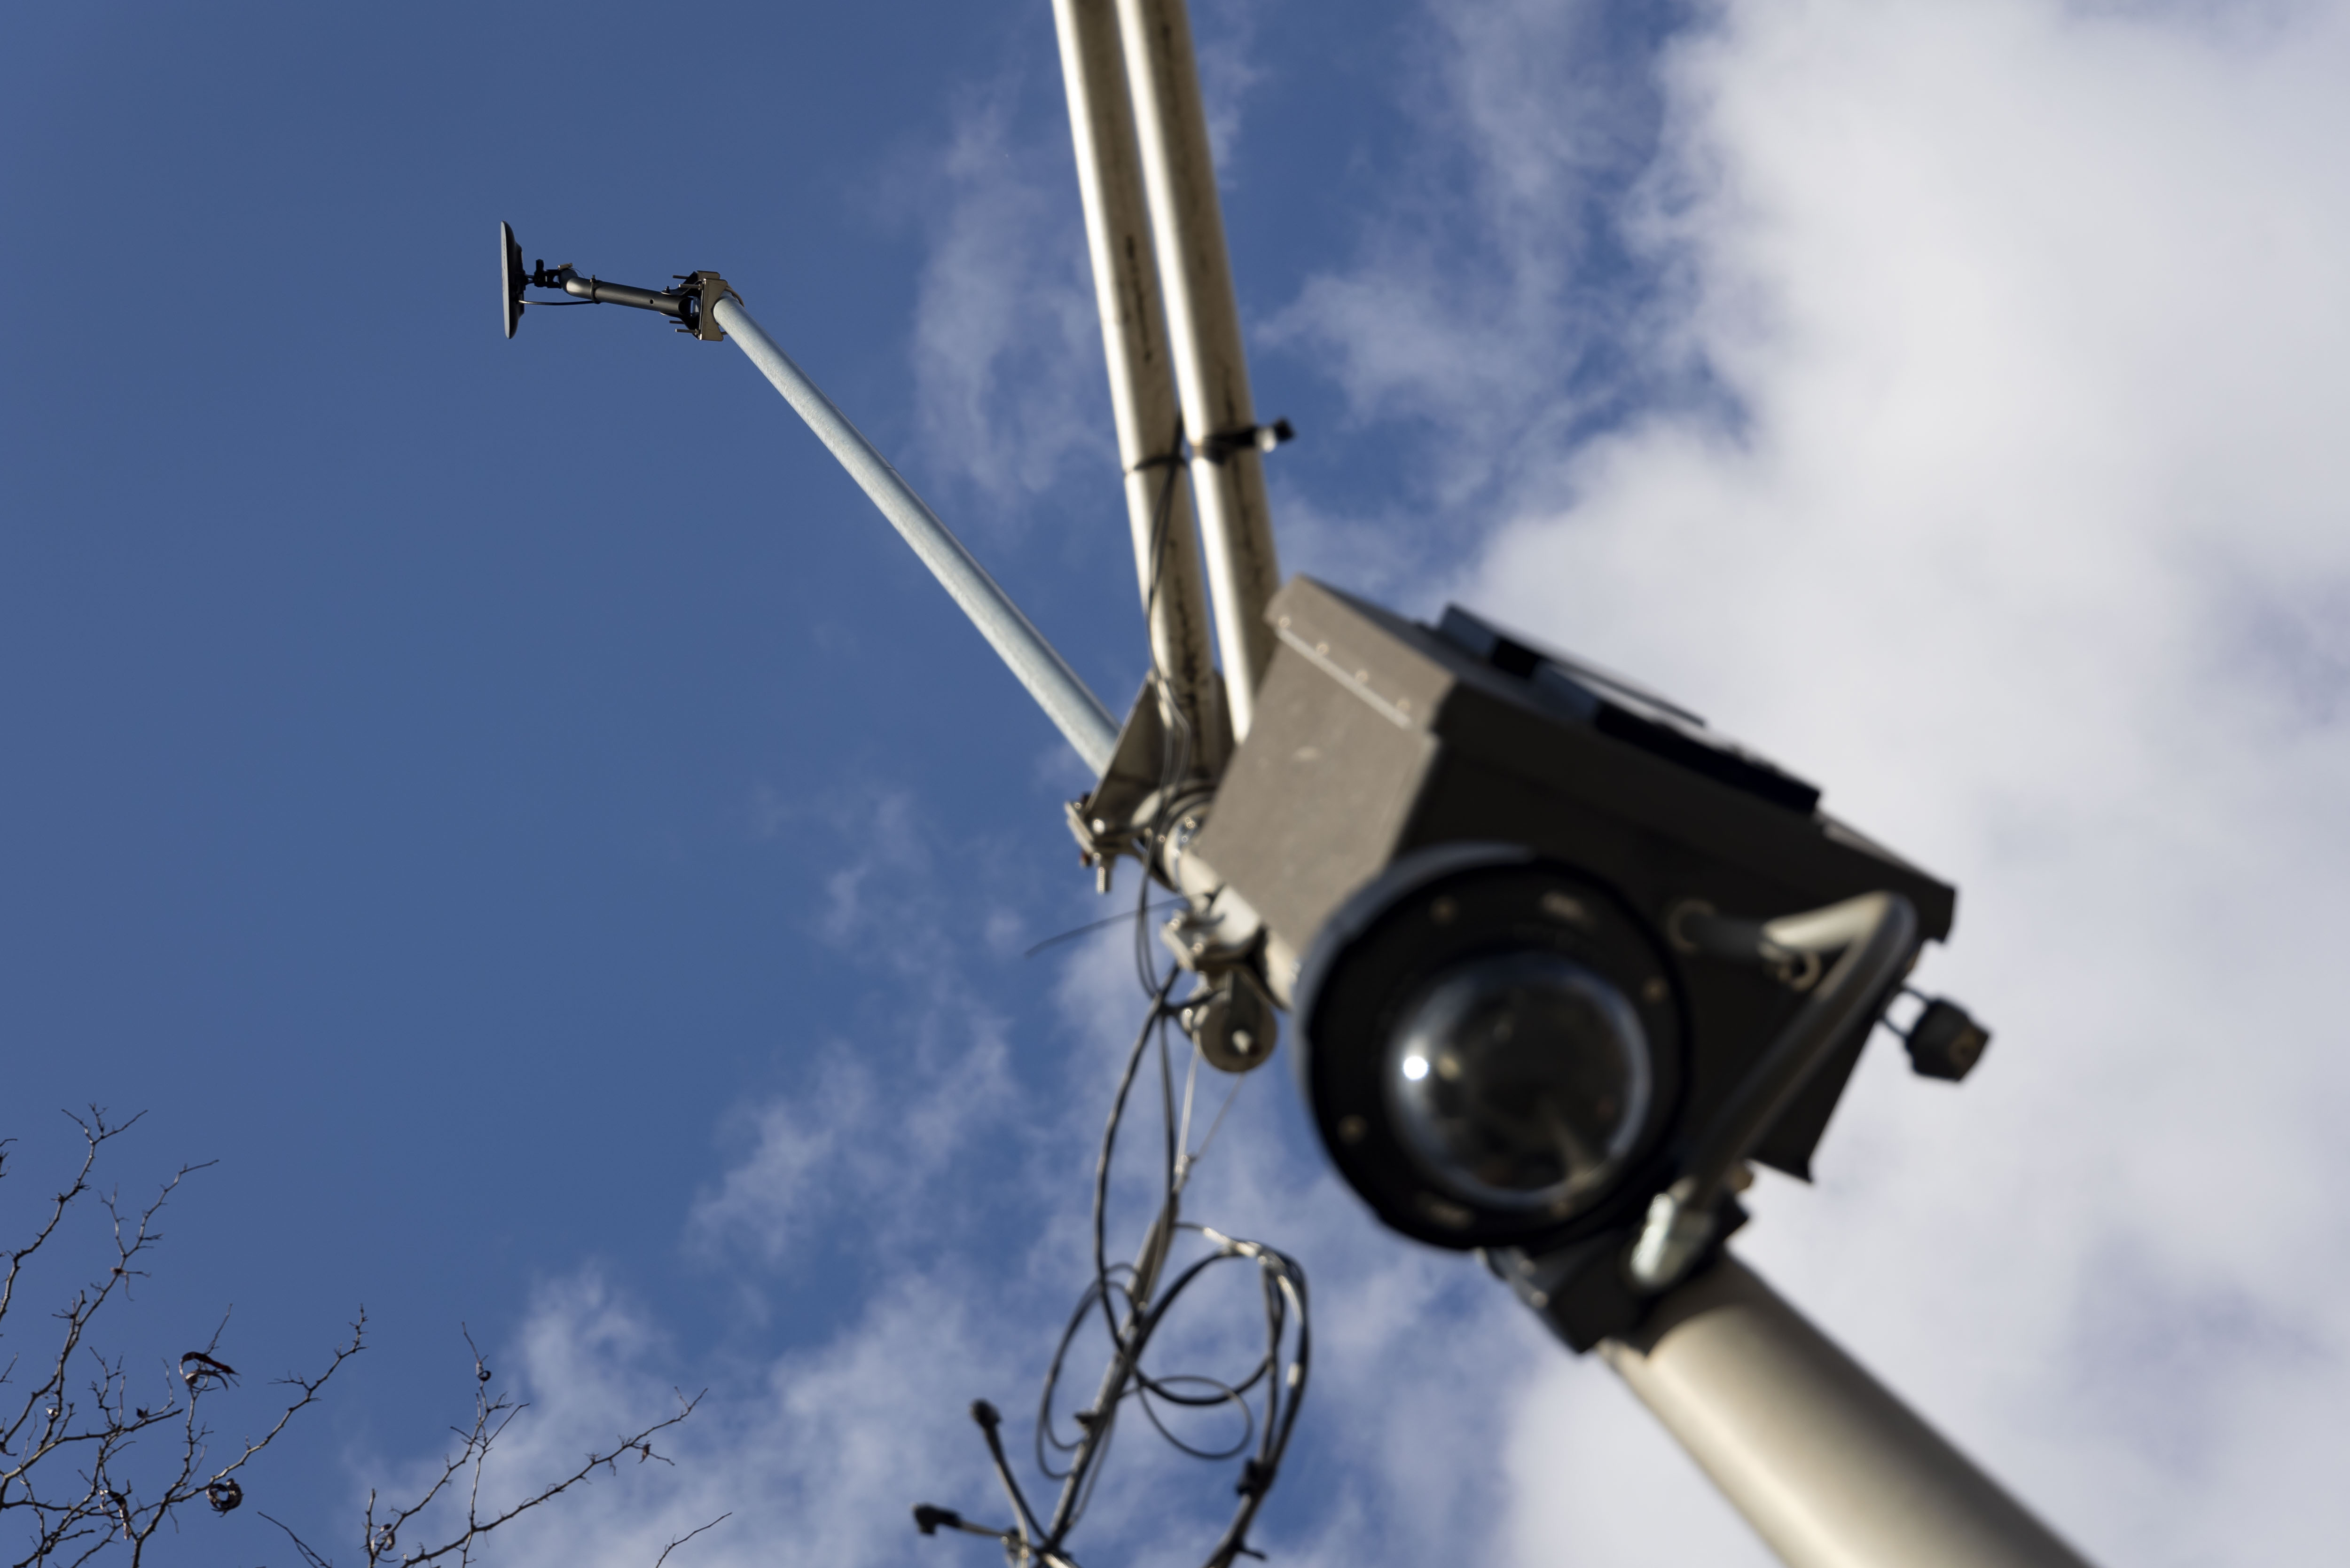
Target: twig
(99, 1507)
(690, 1535)
(381, 1528)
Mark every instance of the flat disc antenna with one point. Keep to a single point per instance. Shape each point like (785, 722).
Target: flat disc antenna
(511, 276)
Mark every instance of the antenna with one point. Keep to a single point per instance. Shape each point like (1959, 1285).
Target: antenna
(692, 305)
(512, 279)
(705, 306)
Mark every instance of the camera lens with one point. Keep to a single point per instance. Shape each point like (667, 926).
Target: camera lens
(1520, 1081)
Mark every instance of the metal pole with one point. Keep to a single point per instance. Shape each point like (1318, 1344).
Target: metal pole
(1203, 323)
(1066, 698)
(1141, 377)
(1826, 1463)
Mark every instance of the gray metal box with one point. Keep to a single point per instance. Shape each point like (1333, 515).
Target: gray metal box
(1375, 735)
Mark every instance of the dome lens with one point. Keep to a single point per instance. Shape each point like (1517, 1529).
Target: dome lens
(1520, 1082)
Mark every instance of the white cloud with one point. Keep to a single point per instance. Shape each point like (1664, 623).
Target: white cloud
(1224, 37)
(1008, 372)
(816, 1456)
(1493, 301)
(2026, 538)
(870, 1131)
(819, 1447)
(856, 1141)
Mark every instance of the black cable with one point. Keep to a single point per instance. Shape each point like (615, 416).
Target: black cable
(1076, 932)
(989, 1420)
(1176, 744)
(1224, 1396)
(1132, 1308)
(1268, 1397)
(1154, 1020)
(1282, 1283)
(1167, 1122)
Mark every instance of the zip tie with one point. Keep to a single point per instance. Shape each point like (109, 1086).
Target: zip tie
(1264, 438)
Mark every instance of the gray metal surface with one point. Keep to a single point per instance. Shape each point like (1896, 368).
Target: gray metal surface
(1393, 737)
(1376, 736)
(1066, 700)
(1204, 325)
(1141, 373)
(1828, 1466)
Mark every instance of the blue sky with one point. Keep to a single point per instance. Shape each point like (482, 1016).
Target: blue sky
(516, 807)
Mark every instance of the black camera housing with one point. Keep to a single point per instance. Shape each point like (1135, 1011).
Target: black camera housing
(1377, 739)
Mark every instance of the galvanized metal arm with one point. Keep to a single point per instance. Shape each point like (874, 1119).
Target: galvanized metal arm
(1142, 396)
(1828, 1466)
(1066, 698)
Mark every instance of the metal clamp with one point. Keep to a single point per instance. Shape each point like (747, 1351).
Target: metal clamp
(1878, 936)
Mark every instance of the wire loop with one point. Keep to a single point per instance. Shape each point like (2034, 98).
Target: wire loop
(1134, 1302)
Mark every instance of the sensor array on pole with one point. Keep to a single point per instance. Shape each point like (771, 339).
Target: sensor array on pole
(1563, 960)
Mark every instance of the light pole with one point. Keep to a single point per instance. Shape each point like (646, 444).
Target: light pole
(1560, 959)
(1143, 402)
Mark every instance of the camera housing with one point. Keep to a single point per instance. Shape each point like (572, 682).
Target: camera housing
(1414, 801)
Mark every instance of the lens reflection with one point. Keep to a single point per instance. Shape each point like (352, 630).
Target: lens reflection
(1520, 1082)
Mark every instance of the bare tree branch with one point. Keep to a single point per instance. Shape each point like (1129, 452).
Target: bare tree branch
(689, 1535)
(383, 1528)
(309, 1556)
(67, 1445)
(66, 1448)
